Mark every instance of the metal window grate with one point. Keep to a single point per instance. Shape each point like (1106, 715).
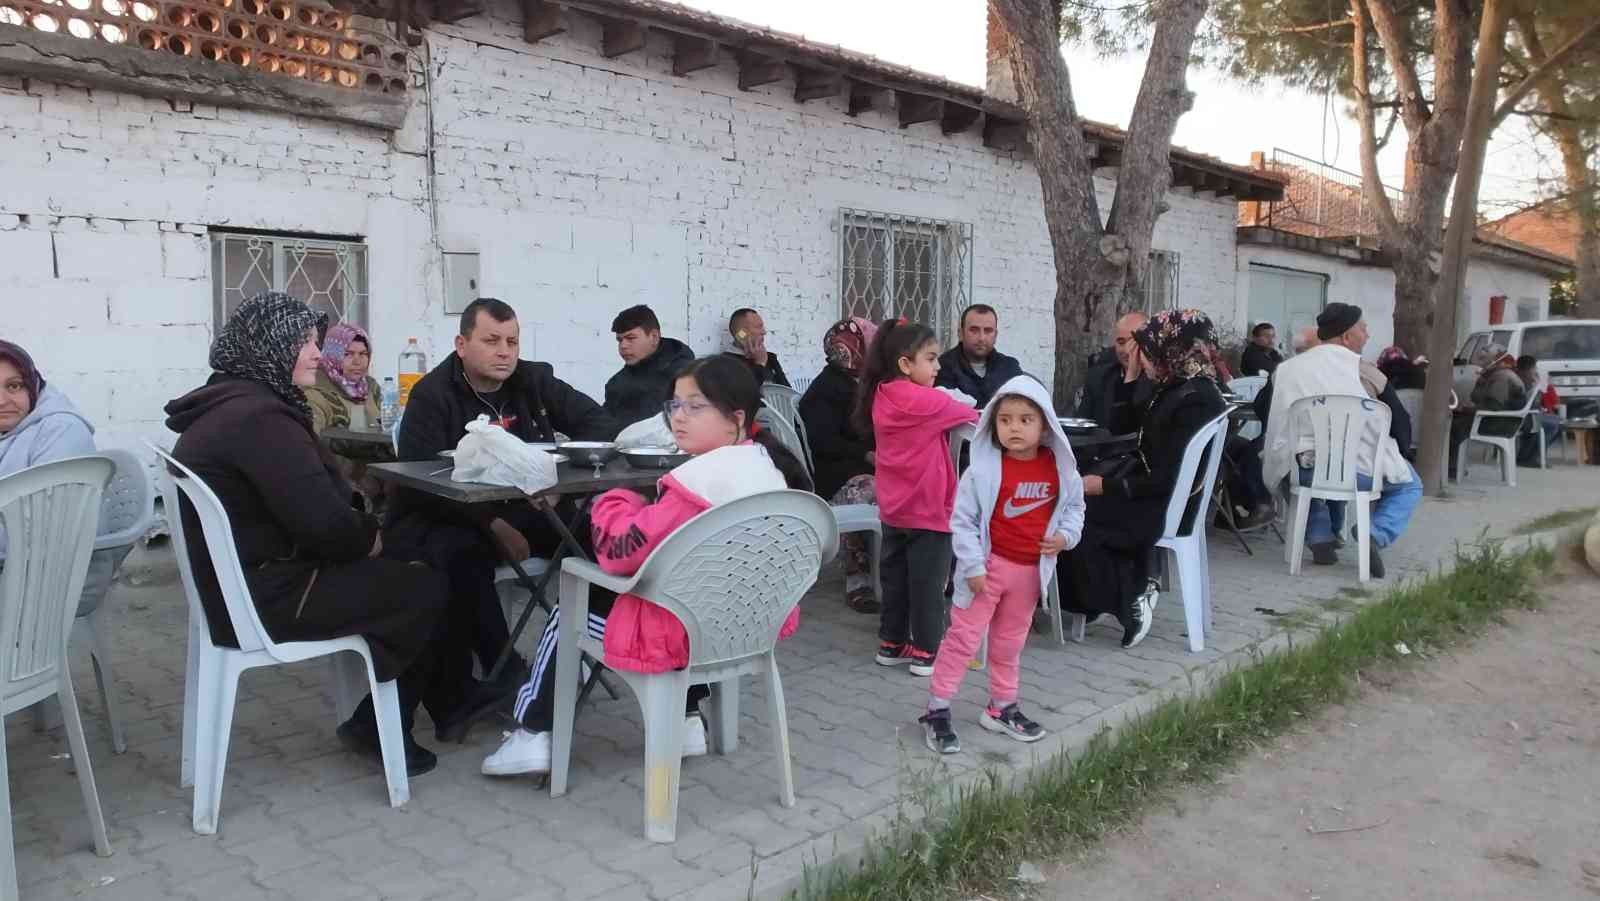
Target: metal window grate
(919, 269)
(330, 276)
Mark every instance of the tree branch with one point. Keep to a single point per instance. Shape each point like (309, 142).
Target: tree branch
(1542, 67)
(1393, 40)
(1371, 183)
(1388, 130)
(1292, 29)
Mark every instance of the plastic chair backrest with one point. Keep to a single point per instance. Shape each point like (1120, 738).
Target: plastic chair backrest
(49, 512)
(1341, 425)
(179, 486)
(1212, 435)
(1246, 387)
(732, 574)
(781, 398)
(803, 384)
(128, 505)
(781, 426)
(960, 437)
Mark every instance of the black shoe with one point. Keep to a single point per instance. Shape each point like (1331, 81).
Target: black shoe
(1011, 721)
(1141, 617)
(1374, 559)
(937, 732)
(1324, 553)
(480, 699)
(361, 737)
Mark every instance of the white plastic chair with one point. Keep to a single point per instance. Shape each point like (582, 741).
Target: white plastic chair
(1411, 402)
(1189, 550)
(212, 680)
(785, 402)
(1246, 387)
(1505, 445)
(49, 512)
(803, 383)
(730, 575)
(1340, 425)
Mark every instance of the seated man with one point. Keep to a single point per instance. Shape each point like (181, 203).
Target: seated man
(748, 341)
(467, 541)
(1544, 415)
(649, 363)
(973, 366)
(1334, 367)
(1498, 388)
(1261, 356)
(1117, 391)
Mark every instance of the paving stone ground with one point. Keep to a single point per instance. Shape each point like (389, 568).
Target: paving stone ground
(302, 819)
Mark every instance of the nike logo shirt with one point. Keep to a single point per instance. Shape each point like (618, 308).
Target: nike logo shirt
(1029, 490)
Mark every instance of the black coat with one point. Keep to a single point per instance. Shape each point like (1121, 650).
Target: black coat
(772, 372)
(536, 403)
(838, 450)
(638, 392)
(955, 372)
(1136, 505)
(1258, 360)
(1099, 401)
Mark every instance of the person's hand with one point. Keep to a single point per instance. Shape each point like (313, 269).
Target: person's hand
(1093, 486)
(512, 544)
(1053, 544)
(377, 546)
(872, 458)
(976, 583)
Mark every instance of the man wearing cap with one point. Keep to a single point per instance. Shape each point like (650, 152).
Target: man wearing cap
(1334, 367)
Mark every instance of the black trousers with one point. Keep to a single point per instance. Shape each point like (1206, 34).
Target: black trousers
(914, 569)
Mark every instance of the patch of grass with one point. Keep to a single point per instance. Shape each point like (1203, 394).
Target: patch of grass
(973, 842)
(1557, 520)
(1340, 605)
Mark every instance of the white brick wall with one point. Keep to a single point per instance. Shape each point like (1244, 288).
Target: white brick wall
(585, 184)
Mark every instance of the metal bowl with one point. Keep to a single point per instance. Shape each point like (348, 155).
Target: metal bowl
(655, 457)
(589, 453)
(1069, 424)
(559, 458)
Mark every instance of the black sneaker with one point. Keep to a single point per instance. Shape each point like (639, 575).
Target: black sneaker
(1011, 721)
(1143, 616)
(940, 738)
(1374, 560)
(921, 661)
(893, 653)
(361, 737)
(1324, 553)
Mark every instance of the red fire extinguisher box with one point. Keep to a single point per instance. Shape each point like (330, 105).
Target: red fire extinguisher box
(1497, 309)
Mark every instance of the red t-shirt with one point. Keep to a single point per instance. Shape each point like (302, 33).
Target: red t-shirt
(1029, 490)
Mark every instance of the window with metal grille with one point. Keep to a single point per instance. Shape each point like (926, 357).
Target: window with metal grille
(905, 266)
(330, 276)
(1161, 288)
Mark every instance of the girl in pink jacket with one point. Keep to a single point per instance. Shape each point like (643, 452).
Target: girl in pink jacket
(916, 485)
(712, 416)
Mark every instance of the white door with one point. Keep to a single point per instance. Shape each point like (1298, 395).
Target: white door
(1290, 299)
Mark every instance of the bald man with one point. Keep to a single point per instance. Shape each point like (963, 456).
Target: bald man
(1117, 391)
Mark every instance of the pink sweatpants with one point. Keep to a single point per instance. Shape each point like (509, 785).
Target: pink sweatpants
(1005, 610)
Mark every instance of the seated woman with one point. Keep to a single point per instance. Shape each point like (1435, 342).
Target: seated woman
(1109, 570)
(313, 563)
(843, 456)
(1403, 372)
(712, 410)
(38, 424)
(1498, 388)
(346, 397)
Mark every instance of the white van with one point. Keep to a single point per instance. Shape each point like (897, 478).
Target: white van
(1568, 351)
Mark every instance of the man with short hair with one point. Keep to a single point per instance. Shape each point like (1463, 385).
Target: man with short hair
(1334, 367)
(748, 341)
(1261, 356)
(973, 366)
(649, 365)
(484, 376)
(1543, 415)
(1117, 391)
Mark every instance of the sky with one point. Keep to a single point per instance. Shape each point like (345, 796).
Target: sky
(1229, 119)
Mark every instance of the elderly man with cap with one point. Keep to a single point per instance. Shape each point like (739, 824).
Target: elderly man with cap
(1334, 367)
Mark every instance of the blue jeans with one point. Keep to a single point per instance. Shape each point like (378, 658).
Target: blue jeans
(1528, 444)
(1390, 514)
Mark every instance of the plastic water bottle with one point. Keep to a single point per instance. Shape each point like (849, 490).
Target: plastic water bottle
(413, 365)
(391, 401)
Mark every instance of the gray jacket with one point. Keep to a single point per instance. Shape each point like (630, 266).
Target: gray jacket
(54, 430)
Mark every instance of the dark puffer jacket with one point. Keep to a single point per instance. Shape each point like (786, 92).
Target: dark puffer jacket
(637, 392)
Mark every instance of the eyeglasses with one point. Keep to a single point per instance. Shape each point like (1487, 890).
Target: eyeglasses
(689, 408)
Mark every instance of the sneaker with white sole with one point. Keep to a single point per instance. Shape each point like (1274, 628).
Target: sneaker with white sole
(520, 752)
(938, 733)
(921, 661)
(1009, 720)
(694, 737)
(1144, 614)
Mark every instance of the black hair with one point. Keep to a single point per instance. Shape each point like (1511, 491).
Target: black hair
(1258, 328)
(636, 317)
(994, 418)
(498, 310)
(978, 308)
(1526, 362)
(733, 319)
(895, 339)
(730, 386)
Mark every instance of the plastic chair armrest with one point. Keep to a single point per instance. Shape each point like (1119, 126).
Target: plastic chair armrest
(594, 575)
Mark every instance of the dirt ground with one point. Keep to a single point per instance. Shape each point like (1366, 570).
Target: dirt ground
(1476, 775)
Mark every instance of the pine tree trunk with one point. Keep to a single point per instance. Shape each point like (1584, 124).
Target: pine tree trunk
(1584, 190)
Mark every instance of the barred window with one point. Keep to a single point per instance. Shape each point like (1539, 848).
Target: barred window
(904, 266)
(330, 276)
(1161, 288)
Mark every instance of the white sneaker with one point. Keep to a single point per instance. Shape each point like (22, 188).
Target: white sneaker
(521, 752)
(694, 737)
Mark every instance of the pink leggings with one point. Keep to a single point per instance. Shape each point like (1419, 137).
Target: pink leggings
(1005, 610)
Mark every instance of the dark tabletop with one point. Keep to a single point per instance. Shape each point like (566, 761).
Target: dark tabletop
(433, 477)
(1097, 439)
(361, 436)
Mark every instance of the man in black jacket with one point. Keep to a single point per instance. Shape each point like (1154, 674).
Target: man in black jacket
(747, 341)
(467, 541)
(1260, 357)
(974, 367)
(649, 364)
(1116, 391)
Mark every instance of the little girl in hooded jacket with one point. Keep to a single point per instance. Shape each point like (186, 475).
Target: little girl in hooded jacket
(1019, 504)
(712, 416)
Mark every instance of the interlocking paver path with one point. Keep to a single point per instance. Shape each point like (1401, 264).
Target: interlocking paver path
(302, 819)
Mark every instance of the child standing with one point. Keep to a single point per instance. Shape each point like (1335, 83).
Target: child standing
(916, 486)
(712, 416)
(1019, 504)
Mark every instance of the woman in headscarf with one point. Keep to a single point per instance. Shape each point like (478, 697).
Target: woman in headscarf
(38, 423)
(1109, 570)
(843, 456)
(313, 563)
(344, 396)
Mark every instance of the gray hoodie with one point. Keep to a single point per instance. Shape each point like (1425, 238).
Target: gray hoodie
(53, 430)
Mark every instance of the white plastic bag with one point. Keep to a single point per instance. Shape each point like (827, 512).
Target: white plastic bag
(493, 456)
(652, 432)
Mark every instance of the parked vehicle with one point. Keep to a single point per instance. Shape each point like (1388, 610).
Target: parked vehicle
(1568, 351)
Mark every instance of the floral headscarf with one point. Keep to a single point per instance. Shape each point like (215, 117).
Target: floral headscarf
(339, 339)
(262, 340)
(845, 344)
(1180, 344)
(1391, 355)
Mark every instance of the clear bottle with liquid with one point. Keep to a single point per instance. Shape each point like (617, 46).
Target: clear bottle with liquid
(391, 401)
(413, 366)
